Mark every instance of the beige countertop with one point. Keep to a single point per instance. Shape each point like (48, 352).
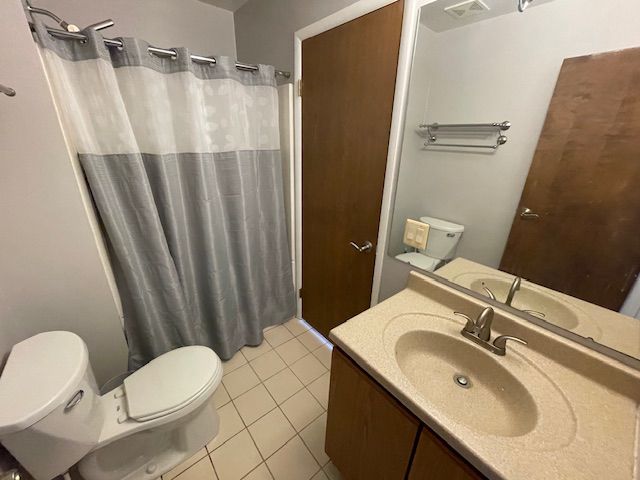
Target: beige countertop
(605, 326)
(586, 425)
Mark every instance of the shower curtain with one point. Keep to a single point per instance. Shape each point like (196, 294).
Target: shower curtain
(182, 161)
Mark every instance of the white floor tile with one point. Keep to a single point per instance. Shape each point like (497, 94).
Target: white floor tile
(297, 326)
(312, 339)
(324, 354)
(277, 335)
(203, 470)
(314, 435)
(320, 476)
(291, 351)
(177, 470)
(283, 385)
(332, 472)
(254, 404)
(237, 457)
(293, 462)
(308, 368)
(251, 353)
(320, 389)
(301, 409)
(240, 381)
(260, 473)
(267, 365)
(230, 424)
(271, 432)
(220, 397)
(233, 363)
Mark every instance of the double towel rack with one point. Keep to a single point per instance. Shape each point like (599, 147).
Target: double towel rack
(433, 129)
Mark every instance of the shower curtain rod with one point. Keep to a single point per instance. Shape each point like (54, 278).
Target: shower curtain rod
(112, 42)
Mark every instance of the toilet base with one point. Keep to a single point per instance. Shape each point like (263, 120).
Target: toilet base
(150, 453)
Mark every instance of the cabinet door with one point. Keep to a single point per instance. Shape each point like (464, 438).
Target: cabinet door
(434, 460)
(369, 434)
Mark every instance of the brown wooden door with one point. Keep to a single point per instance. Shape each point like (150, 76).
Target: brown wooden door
(349, 77)
(584, 183)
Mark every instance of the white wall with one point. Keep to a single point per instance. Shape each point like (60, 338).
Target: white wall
(264, 29)
(203, 28)
(504, 68)
(51, 275)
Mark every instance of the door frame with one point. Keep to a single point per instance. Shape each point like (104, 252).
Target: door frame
(405, 58)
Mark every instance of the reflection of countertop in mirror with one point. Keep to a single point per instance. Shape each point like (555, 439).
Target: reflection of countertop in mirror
(606, 327)
(551, 409)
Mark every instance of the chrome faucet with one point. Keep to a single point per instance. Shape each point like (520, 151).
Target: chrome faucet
(515, 286)
(479, 332)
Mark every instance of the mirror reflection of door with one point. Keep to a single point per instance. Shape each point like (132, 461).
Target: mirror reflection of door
(582, 235)
(565, 74)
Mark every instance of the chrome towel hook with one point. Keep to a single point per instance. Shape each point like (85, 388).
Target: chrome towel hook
(8, 91)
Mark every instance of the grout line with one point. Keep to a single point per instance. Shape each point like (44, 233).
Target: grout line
(257, 467)
(278, 406)
(303, 385)
(215, 472)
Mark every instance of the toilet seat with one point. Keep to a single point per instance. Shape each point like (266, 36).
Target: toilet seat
(170, 382)
(420, 260)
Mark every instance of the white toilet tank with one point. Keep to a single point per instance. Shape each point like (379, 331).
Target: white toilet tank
(443, 238)
(50, 416)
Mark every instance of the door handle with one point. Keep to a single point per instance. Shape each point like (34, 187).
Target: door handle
(364, 248)
(528, 214)
(8, 91)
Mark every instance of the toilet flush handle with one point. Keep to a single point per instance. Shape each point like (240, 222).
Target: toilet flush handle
(75, 400)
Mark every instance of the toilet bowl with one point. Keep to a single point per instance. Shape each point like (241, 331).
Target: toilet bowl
(52, 415)
(442, 242)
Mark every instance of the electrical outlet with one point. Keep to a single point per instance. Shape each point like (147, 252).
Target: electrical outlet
(416, 234)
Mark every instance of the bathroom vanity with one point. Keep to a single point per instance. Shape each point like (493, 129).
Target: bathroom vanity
(411, 397)
(383, 439)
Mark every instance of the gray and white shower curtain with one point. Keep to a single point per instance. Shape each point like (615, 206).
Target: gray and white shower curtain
(182, 161)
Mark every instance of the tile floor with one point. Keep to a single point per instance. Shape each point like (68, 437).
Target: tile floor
(272, 404)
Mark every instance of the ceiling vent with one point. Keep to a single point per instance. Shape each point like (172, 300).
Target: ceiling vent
(470, 8)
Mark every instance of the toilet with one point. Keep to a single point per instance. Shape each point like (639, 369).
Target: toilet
(52, 415)
(442, 243)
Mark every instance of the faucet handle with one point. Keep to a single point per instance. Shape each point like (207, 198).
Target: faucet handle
(501, 343)
(470, 323)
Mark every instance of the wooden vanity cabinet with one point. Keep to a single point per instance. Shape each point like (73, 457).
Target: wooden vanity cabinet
(370, 435)
(435, 459)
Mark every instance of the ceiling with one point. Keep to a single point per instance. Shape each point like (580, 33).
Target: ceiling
(231, 5)
(434, 16)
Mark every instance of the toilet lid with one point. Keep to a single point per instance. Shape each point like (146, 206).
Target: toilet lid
(419, 260)
(171, 381)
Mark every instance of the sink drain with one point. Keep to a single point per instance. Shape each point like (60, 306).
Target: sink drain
(462, 381)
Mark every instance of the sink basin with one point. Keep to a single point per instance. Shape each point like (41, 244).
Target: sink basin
(526, 298)
(503, 396)
(493, 400)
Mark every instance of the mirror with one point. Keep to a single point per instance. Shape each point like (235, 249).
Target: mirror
(520, 169)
